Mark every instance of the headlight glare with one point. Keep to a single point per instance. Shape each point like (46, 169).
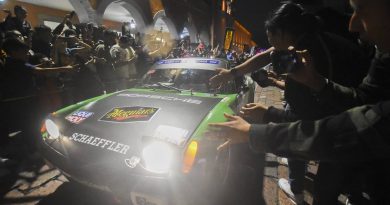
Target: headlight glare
(52, 129)
(158, 157)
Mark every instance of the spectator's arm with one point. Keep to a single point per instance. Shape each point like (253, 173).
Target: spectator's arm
(84, 45)
(58, 29)
(9, 15)
(374, 87)
(42, 71)
(257, 61)
(359, 134)
(277, 83)
(278, 115)
(342, 98)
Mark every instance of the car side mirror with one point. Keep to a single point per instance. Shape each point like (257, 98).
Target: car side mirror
(239, 82)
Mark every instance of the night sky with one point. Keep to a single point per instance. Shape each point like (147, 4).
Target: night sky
(252, 14)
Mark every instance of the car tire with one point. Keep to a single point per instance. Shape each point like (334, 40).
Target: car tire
(236, 177)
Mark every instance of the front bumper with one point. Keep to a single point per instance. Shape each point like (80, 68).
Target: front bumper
(139, 189)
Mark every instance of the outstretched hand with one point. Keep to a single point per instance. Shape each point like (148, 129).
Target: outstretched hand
(222, 76)
(235, 131)
(254, 112)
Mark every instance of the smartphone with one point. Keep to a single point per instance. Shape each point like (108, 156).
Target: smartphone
(284, 61)
(260, 76)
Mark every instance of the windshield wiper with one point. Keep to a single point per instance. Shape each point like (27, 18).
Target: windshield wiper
(168, 86)
(160, 85)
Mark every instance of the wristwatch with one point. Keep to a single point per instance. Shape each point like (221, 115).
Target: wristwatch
(233, 72)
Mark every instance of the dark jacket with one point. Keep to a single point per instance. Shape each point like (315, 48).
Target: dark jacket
(17, 79)
(13, 23)
(374, 88)
(339, 60)
(360, 134)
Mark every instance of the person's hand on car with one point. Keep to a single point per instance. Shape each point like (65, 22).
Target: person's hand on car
(235, 131)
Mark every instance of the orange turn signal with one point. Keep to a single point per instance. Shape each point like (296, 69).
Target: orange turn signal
(43, 128)
(189, 157)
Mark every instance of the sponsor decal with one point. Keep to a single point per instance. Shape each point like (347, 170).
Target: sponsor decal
(168, 61)
(159, 97)
(174, 135)
(100, 143)
(132, 162)
(78, 116)
(208, 61)
(130, 114)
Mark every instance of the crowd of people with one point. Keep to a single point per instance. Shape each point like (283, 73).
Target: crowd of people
(336, 89)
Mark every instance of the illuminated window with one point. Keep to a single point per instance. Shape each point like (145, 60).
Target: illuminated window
(52, 24)
(223, 5)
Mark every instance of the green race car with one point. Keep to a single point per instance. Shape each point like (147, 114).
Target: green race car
(147, 145)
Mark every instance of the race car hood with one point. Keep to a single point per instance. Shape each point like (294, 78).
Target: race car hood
(114, 129)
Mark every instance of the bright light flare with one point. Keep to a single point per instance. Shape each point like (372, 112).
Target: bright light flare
(52, 129)
(158, 157)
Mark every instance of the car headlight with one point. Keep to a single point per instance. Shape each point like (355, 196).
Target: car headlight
(158, 157)
(52, 129)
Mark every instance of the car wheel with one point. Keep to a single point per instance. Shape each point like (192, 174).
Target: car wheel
(237, 176)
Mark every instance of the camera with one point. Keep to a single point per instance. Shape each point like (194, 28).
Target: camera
(284, 61)
(260, 76)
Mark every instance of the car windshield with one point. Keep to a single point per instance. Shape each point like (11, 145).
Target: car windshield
(181, 78)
